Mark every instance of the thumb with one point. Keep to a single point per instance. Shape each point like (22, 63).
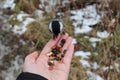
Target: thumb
(32, 57)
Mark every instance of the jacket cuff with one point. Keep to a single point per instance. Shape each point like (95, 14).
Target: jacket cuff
(30, 76)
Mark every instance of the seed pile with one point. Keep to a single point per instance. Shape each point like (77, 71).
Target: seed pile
(56, 54)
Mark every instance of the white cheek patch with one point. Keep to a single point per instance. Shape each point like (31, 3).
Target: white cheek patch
(50, 27)
(61, 26)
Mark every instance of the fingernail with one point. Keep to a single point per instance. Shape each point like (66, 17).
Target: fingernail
(66, 34)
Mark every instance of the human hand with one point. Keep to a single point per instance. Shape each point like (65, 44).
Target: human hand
(37, 64)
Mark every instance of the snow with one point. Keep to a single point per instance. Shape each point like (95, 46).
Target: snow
(21, 15)
(9, 3)
(106, 68)
(85, 63)
(6, 27)
(82, 54)
(27, 21)
(93, 76)
(51, 4)
(116, 65)
(103, 34)
(95, 65)
(4, 50)
(16, 65)
(92, 21)
(84, 18)
(93, 39)
(48, 8)
(20, 29)
(22, 41)
(64, 2)
(39, 13)
(89, 65)
(74, 41)
(84, 29)
(93, 44)
(77, 15)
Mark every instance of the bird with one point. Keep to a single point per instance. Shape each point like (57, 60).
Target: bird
(56, 26)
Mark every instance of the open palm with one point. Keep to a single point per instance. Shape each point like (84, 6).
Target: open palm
(35, 63)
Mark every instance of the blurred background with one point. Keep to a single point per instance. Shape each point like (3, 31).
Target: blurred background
(94, 25)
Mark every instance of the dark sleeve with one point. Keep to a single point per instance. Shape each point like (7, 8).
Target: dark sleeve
(30, 76)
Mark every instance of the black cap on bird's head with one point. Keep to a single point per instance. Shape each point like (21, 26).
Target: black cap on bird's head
(56, 26)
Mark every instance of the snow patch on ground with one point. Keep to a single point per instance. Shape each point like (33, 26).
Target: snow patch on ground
(85, 63)
(48, 8)
(21, 15)
(16, 65)
(24, 20)
(39, 13)
(4, 50)
(103, 34)
(92, 39)
(84, 18)
(94, 44)
(9, 3)
(93, 76)
(74, 41)
(83, 29)
(117, 67)
(51, 3)
(95, 66)
(20, 29)
(82, 54)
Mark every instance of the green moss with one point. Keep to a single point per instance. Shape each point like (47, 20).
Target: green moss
(14, 21)
(17, 8)
(25, 48)
(84, 41)
(42, 41)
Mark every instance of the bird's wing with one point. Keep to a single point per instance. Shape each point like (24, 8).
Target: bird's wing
(50, 26)
(61, 26)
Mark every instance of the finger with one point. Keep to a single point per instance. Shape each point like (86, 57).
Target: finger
(63, 37)
(48, 46)
(67, 59)
(68, 42)
(32, 57)
(69, 53)
(66, 47)
(51, 43)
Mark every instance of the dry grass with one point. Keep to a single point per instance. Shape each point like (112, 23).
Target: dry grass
(38, 34)
(108, 49)
(28, 6)
(77, 71)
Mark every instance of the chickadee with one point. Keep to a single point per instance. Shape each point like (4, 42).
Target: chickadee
(56, 26)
